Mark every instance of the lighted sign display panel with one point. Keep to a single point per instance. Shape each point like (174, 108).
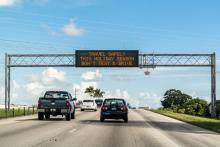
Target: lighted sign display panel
(107, 58)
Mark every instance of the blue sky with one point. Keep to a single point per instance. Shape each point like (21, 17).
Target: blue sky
(54, 26)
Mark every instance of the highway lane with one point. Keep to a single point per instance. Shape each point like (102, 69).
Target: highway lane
(143, 129)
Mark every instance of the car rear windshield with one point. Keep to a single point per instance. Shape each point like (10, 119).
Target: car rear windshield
(90, 101)
(118, 102)
(56, 94)
(98, 101)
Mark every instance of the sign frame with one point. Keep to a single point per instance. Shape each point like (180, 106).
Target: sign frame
(133, 53)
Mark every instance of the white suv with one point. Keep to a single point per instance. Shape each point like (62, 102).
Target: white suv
(89, 105)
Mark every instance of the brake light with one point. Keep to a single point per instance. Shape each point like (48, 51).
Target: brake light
(124, 109)
(67, 104)
(104, 108)
(39, 104)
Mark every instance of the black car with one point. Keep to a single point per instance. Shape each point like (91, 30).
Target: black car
(114, 108)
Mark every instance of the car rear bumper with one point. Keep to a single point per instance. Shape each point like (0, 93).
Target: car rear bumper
(88, 108)
(56, 111)
(110, 115)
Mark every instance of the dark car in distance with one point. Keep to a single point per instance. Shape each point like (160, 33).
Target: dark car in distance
(99, 102)
(114, 108)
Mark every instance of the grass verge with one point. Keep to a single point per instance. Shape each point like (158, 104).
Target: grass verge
(203, 122)
(17, 112)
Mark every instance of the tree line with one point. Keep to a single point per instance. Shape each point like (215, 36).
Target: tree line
(179, 102)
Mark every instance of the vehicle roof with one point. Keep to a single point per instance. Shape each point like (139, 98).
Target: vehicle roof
(114, 99)
(57, 91)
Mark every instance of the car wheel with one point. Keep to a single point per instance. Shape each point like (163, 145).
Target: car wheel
(125, 120)
(82, 109)
(73, 115)
(40, 116)
(68, 116)
(102, 119)
(95, 110)
(47, 116)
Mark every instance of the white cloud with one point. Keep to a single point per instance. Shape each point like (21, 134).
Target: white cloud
(53, 73)
(133, 100)
(49, 79)
(123, 77)
(71, 29)
(8, 3)
(149, 99)
(37, 84)
(48, 76)
(118, 93)
(91, 75)
(35, 88)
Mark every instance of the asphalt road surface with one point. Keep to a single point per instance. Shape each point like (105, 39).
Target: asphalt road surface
(143, 129)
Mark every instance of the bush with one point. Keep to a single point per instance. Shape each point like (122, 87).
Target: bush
(181, 110)
(218, 107)
(196, 107)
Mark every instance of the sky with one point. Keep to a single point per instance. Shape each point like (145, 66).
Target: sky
(150, 26)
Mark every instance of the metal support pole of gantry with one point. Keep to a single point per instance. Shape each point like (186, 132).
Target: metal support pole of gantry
(9, 83)
(213, 85)
(6, 82)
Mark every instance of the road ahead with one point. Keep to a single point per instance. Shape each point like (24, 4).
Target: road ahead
(143, 129)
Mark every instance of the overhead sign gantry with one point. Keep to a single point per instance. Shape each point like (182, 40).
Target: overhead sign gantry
(110, 58)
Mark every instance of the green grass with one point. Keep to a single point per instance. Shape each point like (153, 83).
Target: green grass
(16, 112)
(203, 122)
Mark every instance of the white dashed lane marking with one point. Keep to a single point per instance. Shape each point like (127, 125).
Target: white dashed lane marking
(73, 130)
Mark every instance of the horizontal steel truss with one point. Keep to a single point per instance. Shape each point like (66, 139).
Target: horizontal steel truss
(145, 61)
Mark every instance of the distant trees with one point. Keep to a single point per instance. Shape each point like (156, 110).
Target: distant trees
(183, 103)
(174, 98)
(90, 90)
(94, 92)
(98, 93)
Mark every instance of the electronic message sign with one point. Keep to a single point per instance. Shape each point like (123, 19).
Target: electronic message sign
(106, 58)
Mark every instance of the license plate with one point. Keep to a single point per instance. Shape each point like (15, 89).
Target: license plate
(114, 109)
(106, 113)
(52, 103)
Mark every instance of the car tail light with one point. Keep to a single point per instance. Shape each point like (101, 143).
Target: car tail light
(104, 108)
(124, 109)
(67, 104)
(39, 104)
